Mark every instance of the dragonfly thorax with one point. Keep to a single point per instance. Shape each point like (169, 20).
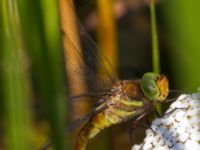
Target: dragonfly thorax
(128, 88)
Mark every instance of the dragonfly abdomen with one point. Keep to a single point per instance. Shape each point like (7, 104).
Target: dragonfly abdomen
(113, 114)
(91, 129)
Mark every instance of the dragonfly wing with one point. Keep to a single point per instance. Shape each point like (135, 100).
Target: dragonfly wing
(84, 119)
(93, 62)
(93, 56)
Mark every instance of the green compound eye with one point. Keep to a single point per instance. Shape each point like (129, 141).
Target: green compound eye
(149, 86)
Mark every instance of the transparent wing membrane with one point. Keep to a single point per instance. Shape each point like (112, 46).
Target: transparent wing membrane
(99, 94)
(82, 120)
(94, 62)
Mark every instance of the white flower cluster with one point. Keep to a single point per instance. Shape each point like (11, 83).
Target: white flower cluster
(178, 129)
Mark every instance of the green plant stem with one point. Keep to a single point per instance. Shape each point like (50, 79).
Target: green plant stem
(155, 45)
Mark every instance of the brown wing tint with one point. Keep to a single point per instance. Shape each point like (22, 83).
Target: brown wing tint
(88, 72)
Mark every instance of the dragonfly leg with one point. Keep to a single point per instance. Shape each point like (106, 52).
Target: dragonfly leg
(138, 125)
(135, 124)
(144, 126)
(169, 100)
(157, 113)
(168, 113)
(142, 115)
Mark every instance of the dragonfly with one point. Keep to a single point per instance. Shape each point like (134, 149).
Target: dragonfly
(117, 100)
(129, 98)
(122, 100)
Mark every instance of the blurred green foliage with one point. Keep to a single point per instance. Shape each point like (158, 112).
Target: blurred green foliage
(182, 17)
(42, 39)
(15, 84)
(39, 41)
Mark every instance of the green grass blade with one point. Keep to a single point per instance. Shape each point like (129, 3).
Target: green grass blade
(53, 43)
(42, 38)
(15, 83)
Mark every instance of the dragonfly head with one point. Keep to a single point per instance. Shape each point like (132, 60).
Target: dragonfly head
(154, 86)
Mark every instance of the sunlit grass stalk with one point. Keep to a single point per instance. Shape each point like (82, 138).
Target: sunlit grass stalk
(15, 81)
(155, 45)
(41, 30)
(106, 38)
(73, 56)
(106, 29)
